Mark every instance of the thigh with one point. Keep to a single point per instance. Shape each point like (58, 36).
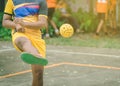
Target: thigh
(51, 12)
(101, 16)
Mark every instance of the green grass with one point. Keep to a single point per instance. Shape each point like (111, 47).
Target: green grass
(86, 40)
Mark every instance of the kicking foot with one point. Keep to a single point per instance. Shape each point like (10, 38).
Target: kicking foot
(57, 32)
(47, 35)
(32, 59)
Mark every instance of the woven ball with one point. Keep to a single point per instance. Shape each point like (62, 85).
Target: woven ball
(66, 30)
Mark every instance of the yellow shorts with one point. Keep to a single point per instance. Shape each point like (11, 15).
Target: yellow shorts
(36, 41)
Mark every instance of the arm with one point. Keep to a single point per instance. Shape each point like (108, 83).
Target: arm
(8, 23)
(42, 18)
(41, 23)
(7, 17)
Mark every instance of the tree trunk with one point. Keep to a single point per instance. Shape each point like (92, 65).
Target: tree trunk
(2, 5)
(91, 6)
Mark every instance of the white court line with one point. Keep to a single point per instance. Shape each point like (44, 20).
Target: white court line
(64, 52)
(89, 54)
(9, 49)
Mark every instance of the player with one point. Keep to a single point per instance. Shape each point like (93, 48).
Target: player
(51, 9)
(29, 16)
(101, 8)
(63, 7)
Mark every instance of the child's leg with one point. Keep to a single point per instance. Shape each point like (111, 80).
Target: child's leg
(25, 45)
(99, 27)
(37, 72)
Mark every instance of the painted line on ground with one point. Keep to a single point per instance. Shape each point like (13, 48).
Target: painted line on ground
(90, 54)
(65, 52)
(9, 49)
(63, 63)
(92, 65)
(28, 71)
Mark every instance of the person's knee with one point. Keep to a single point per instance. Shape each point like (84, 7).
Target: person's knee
(21, 41)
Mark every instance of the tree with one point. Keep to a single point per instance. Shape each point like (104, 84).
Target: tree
(2, 5)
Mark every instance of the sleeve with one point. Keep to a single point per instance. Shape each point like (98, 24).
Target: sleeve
(43, 8)
(9, 7)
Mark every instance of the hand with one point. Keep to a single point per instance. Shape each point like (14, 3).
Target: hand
(19, 28)
(18, 21)
(19, 24)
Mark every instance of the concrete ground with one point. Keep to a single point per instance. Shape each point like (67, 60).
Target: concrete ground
(68, 66)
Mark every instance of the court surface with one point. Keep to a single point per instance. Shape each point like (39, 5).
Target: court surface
(68, 66)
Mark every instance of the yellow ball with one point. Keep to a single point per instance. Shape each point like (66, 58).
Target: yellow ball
(66, 30)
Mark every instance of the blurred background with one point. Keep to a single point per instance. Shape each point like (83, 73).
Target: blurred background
(83, 16)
